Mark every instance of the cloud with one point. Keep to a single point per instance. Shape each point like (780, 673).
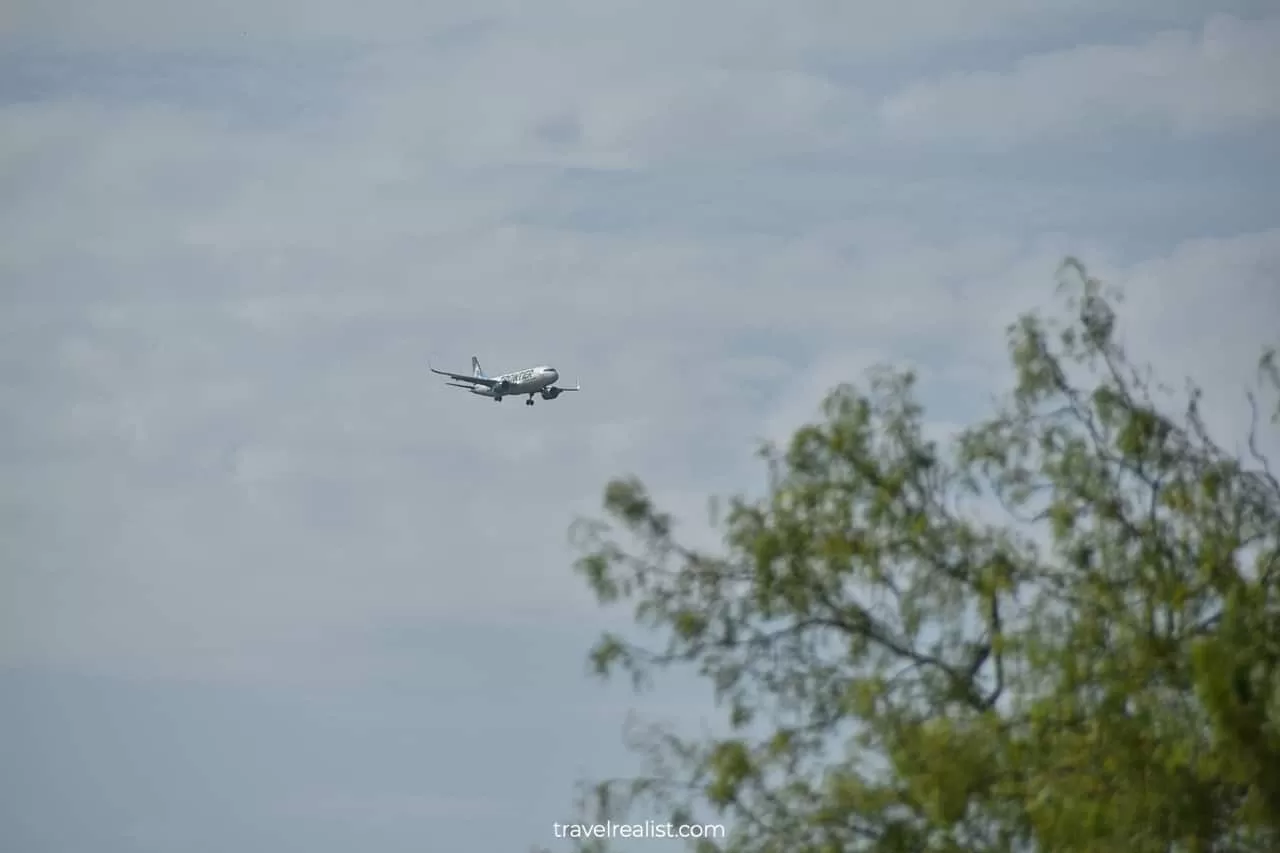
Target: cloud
(1192, 82)
(755, 30)
(224, 467)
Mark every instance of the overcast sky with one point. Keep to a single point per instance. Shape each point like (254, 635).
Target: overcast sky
(269, 586)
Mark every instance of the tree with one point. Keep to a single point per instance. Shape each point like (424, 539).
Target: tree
(1059, 633)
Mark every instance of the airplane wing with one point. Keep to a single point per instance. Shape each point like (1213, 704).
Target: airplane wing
(462, 377)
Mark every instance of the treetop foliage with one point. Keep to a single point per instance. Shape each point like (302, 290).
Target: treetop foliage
(1060, 632)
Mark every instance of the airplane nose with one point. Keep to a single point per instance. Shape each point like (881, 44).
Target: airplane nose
(555, 375)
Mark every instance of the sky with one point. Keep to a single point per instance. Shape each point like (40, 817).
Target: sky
(267, 585)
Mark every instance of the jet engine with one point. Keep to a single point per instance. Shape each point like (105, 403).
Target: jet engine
(550, 393)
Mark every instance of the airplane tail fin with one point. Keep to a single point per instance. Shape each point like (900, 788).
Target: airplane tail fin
(476, 369)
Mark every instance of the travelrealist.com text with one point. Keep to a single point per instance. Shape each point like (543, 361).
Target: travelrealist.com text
(648, 829)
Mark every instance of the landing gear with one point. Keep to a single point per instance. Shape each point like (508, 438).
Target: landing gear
(497, 399)
(529, 402)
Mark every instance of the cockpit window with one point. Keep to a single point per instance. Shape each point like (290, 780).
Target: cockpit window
(551, 370)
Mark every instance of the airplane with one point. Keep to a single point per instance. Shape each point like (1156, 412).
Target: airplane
(534, 380)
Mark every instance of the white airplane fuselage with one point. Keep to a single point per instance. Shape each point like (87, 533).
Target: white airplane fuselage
(529, 381)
